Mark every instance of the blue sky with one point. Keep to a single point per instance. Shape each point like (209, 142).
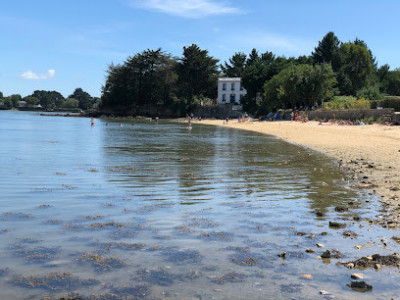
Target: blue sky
(61, 45)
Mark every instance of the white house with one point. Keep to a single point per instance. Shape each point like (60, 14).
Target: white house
(230, 90)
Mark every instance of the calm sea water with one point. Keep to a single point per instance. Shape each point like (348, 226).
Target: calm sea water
(154, 210)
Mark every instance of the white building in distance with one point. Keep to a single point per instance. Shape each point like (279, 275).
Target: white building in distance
(230, 90)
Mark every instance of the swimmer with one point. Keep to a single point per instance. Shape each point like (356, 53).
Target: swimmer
(120, 125)
(92, 122)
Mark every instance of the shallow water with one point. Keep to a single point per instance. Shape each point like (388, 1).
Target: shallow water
(156, 210)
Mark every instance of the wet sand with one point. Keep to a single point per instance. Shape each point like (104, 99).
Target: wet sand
(371, 152)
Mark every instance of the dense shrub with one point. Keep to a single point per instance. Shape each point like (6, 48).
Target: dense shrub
(370, 93)
(391, 102)
(347, 102)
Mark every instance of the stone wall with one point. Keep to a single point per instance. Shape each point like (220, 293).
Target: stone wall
(221, 111)
(386, 113)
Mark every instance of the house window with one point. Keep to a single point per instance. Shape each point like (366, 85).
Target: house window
(223, 97)
(232, 100)
(232, 87)
(224, 86)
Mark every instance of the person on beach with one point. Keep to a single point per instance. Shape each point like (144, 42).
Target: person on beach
(291, 116)
(227, 119)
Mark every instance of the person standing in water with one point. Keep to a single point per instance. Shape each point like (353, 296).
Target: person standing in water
(92, 121)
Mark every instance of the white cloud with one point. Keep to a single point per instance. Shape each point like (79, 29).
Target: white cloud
(186, 8)
(34, 76)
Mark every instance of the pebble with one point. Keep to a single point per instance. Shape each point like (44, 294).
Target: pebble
(310, 250)
(323, 292)
(306, 276)
(320, 245)
(361, 286)
(282, 255)
(357, 276)
(358, 247)
(326, 254)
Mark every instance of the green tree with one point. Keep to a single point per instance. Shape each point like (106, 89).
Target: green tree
(71, 103)
(259, 69)
(198, 73)
(299, 85)
(327, 50)
(236, 65)
(8, 104)
(31, 101)
(393, 83)
(370, 92)
(1, 95)
(49, 99)
(85, 100)
(117, 91)
(356, 68)
(15, 98)
(147, 78)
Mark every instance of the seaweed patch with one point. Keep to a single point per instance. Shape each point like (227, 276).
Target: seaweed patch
(53, 281)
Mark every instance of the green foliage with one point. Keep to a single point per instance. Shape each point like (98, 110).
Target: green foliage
(147, 78)
(71, 103)
(355, 69)
(327, 49)
(392, 83)
(15, 98)
(153, 77)
(49, 99)
(347, 102)
(84, 99)
(298, 85)
(391, 102)
(31, 101)
(1, 95)
(370, 92)
(198, 73)
(236, 65)
(258, 70)
(7, 103)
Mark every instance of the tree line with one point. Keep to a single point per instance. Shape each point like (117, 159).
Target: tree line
(334, 68)
(156, 78)
(50, 100)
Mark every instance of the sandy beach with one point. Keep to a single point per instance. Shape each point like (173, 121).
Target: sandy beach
(371, 152)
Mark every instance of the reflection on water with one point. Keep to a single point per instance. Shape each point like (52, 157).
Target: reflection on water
(157, 211)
